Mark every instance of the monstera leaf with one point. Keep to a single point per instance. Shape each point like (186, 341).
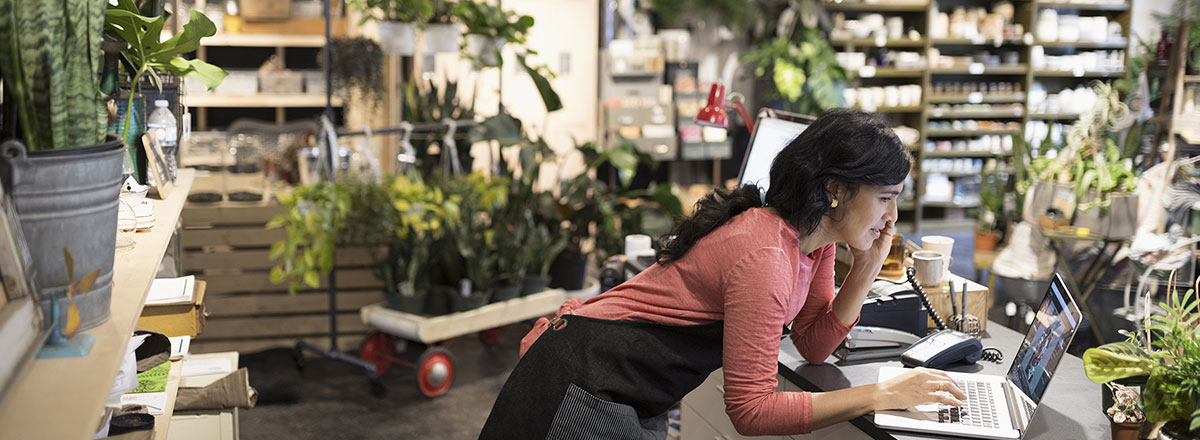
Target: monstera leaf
(1117, 360)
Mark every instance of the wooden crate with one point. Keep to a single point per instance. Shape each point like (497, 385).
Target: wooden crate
(979, 300)
(227, 245)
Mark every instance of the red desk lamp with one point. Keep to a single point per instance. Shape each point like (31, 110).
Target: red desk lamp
(713, 114)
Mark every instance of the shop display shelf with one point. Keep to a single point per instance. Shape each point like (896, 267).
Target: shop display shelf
(973, 98)
(259, 100)
(907, 205)
(1078, 74)
(79, 386)
(977, 42)
(1016, 69)
(909, 109)
(947, 205)
(872, 42)
(1085, 6)
(967, 133)
(996, 114)
(1054, 116)
(875, 7)
(962, 154)
(264, 40)
(886, 72)
(1118, 44)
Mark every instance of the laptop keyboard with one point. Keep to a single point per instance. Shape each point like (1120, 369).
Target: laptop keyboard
(978, 410)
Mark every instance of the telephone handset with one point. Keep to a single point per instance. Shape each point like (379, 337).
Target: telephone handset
(942, 348)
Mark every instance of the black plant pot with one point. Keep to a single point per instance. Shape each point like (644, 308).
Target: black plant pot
(534, 284)
(1177, 430)
(414, 304)
(438, 301)
(506, 292)
(476, 300)
(568, 270)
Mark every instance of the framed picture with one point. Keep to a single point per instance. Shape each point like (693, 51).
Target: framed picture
(157, 165)
(21, 323)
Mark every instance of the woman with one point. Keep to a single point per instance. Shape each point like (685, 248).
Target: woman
(735, 273)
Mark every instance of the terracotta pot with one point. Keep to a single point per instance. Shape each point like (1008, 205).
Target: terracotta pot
(986, 241)
(1125, 431)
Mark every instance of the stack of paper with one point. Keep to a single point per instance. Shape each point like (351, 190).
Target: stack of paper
(165, 291)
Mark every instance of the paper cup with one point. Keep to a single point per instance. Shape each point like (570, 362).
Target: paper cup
(940, 244)
(928, 267)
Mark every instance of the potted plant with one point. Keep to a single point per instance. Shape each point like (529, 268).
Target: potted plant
(314, 216)
(397, 21)
(421, 224)
(489, 29)
(54, 129)
(798, 64)
(470, 260)
(1125, 415)
(356, 67)
(991, 209)
(444, 32)
(1168, 352)
(427, 102)
(1090, 180)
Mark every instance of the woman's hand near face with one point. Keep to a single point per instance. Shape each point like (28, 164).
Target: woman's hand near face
(868, 262)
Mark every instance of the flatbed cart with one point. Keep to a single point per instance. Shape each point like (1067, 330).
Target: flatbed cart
(435, 366)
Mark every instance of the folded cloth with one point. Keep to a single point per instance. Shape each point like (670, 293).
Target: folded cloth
(231, 391)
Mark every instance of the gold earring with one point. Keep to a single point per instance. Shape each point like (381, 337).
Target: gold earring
(833, 204)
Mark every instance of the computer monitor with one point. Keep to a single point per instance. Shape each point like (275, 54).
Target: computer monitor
(773, 130)
(1047, 339)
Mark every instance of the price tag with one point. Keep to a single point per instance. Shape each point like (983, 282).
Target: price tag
(880, 40)
(866, 72)
(975, 69)
(975, 97)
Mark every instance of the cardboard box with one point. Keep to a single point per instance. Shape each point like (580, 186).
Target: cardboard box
(177, 319)
(291, 26)
(266, 10)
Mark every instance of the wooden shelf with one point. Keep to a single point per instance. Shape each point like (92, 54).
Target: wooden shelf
(1019, 69)
(1054, 116)
(907, 205)
(910, 109)
(946, 205)
(876, 7)
(871, 42)
(1085, 6)
(264, 40)
(1120, 44)
(968, 133)
(962, 154)
(64, 398)
(262, 100)
(1084, 74)
(162, 422)
(887, 72)
(998, 114)
(978, 42)
(1013, 98)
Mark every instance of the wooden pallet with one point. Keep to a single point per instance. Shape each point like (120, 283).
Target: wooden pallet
(227, 245)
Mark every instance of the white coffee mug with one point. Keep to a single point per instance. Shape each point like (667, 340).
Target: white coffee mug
(940, 244)
(928, 267)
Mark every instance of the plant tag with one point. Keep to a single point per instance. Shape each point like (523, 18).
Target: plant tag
(975, 68)
(975, 97)
(464, 287)
(866, 72)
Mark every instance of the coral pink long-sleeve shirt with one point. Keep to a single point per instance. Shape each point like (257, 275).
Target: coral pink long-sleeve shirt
(751, 274)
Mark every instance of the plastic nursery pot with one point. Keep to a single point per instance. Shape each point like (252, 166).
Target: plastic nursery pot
(476, 300)
(414, 303)
(506, 292)
(438, 301)
(534, 284)
(1125, 431)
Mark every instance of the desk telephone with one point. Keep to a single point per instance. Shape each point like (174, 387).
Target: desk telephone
(937, 350)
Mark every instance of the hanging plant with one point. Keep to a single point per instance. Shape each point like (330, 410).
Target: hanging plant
(357, 64)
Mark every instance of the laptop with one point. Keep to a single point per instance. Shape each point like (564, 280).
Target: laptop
(773, 130)
(1000, 406)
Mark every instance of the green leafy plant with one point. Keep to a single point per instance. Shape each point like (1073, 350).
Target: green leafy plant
(427, 102)
(404, 11)
(357, 64)
(731, 13)
(1091, 158)
(993, 186)
(468, 218)
(1168, 351)
(804, 72)
(313, 218)
(510, 28)
(148, 53)
(443, 11)
(49, 60)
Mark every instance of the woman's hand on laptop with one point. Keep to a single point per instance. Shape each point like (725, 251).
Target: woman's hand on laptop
(919, 386)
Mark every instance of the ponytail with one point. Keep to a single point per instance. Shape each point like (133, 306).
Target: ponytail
(711, 212)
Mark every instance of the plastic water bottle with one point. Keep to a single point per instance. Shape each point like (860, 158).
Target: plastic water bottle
(162, 123)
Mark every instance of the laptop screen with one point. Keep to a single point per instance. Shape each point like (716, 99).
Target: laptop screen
(1045, 342)
(771, 134)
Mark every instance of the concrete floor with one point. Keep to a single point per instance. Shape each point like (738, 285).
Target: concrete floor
(332, 400)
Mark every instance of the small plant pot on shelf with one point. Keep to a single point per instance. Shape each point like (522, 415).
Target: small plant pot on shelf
(1125, 431)
(442, 37)
(485, 49)
(476, 300)
(568, 270)
(986, 241)
(506, 292)
(397, 38)
(414, 304)
(534, 284)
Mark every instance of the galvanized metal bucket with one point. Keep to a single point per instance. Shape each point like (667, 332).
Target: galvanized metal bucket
(67, 198)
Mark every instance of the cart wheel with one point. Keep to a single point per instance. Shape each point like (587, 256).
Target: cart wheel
(435, 371)
(490, 336)
(378, 389)
(377, 349)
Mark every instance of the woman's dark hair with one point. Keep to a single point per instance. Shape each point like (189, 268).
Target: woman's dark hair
(846, 147)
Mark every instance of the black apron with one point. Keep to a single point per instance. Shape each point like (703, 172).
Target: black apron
(587, 378)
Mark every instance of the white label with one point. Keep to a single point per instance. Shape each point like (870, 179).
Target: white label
(866, 71)
(975, 97)
(975, 69)
(464, 287)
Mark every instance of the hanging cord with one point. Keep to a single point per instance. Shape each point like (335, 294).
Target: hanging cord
(408, 154)
(450, 149)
